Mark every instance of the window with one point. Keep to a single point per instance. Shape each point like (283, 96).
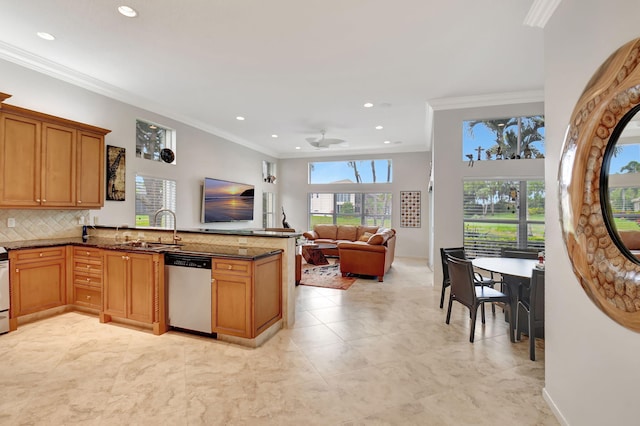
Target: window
(353, 208)
(356, 171)
(268, 210)
(503, 138)
(153, 194)
(623, 179)
(503, 213)
(151, 139)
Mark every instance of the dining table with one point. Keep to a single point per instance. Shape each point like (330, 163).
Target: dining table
(516, 274)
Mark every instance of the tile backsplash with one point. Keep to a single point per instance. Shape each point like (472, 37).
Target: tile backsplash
(41, 224)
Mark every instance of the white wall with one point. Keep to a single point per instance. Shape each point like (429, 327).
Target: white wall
(591, 361)
(198, 153)
(450, 170)
(410, 173)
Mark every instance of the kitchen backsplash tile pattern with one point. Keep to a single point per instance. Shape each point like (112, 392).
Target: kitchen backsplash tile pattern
(39, 224)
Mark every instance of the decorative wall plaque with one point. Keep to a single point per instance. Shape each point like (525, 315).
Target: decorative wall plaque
(410, 209)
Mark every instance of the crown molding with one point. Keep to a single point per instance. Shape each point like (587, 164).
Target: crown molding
(486, 100)
(52, 69)
(540, 12)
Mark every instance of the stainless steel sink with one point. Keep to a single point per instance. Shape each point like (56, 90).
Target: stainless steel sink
(149, 245)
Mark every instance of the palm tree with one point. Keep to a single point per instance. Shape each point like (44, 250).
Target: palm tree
(632, 167)
(373, 170)
(497, 126)
(354, 166)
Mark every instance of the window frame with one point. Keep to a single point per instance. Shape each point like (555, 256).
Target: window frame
(360, 210)
(169, 198)
(473, 239)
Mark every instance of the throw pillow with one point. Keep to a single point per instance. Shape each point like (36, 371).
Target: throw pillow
(365, 237)
(376, 239)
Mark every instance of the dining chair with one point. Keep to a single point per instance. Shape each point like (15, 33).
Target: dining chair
(520, 253)
(465, 291)
(459, 253)
(531, 304)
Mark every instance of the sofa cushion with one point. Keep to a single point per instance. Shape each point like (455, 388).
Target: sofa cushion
(365, 237)
(326, 231)
(346, 233)
(362, 229)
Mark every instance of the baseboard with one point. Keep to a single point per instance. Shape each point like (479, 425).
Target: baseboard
(554, 408)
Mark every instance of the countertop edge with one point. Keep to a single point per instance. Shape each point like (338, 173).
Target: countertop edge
(107, 245)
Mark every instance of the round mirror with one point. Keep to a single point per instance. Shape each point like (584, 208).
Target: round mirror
(607, 269)
(620, 185)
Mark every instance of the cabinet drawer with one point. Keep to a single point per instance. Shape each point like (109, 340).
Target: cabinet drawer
(87, 253)
(39, 254)
(230, 266)
(87, 266)
(85, 296)
(88, 280)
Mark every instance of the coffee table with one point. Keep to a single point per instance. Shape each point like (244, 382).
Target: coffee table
(313, 255)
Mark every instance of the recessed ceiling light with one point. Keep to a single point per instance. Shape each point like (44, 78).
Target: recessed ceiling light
(387, 142)
(45, 36)
(368, 105)
(274, 136)
(379, 127)
(297, 147)
(240, 118)
(127, 11)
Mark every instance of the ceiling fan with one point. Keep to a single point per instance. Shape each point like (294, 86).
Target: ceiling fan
(324, 143)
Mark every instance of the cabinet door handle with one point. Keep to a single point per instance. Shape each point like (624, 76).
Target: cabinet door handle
(41, 254)
(44, 201)
(79, 201)
(230, 266)
(38, 200)
(17, 270)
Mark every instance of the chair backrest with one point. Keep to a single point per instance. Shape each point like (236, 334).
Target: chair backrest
(461, 276)
(519, 253)
(537, 295)
(453, 252)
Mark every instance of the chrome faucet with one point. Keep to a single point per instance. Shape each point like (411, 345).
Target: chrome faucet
(176, 238)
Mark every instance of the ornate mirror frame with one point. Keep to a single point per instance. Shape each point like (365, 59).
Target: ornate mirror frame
(607, 272)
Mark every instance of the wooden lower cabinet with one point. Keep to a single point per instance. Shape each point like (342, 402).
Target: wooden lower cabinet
(246, 295)
(37, 278)
(86, 267)
(131, 288)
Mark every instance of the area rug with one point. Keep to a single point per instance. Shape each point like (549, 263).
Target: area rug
(327, 276)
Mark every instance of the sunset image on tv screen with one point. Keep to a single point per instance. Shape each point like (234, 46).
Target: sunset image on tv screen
(225, 201)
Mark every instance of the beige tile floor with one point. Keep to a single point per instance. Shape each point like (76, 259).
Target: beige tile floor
(376, 354)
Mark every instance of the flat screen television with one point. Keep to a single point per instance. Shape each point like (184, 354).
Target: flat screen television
(224, 201)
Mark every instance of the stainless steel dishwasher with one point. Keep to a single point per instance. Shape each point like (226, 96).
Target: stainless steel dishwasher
(188, 281)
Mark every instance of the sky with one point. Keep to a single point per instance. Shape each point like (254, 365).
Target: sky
(333, 171)
(485, 138)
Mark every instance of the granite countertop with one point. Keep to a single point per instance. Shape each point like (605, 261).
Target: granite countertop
(251, 253)
(257, 232)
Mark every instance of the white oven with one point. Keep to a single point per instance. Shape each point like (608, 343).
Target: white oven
(4, 291)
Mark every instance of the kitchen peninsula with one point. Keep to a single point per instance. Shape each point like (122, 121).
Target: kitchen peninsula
(234, 253)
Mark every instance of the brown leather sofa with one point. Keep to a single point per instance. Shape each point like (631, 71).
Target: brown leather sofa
(334, 234)
(363, 250)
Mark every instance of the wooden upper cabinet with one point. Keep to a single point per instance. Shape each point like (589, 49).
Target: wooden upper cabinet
(90, 170)
(58, 166)
(20, 141)
(49, 161)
